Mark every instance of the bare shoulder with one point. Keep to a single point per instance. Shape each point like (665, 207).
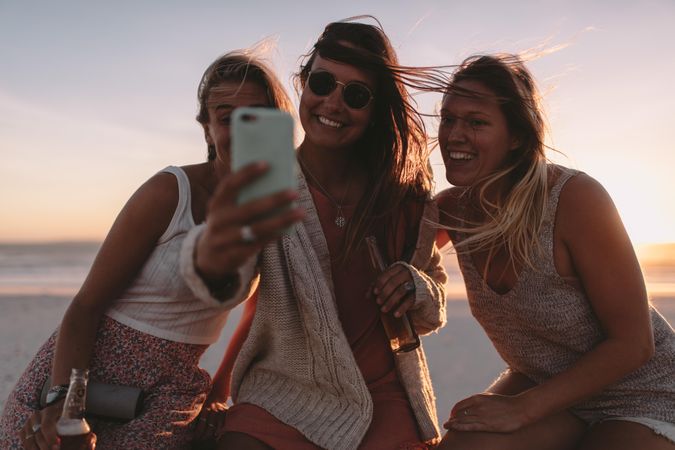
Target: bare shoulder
(159, 192)
(583, 196)
(586, 212)
(153, 204)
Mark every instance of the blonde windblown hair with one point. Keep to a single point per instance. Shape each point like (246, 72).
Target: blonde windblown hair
(512, 220)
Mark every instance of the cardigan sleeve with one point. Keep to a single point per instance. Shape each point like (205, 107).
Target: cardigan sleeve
(428, 311)
(247, 274)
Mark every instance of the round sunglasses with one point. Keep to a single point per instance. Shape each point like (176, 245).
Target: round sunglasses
(356, 95)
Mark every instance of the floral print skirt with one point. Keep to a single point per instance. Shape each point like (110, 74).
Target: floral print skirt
(174, 389)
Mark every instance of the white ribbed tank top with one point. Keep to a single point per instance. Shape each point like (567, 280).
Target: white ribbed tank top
(158, 302)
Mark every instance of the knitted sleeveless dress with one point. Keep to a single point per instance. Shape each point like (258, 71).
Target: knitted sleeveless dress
(543, 325)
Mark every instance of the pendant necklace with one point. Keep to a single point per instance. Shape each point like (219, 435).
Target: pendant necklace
(340, 219)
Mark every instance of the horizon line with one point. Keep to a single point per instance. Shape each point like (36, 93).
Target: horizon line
(100, 241)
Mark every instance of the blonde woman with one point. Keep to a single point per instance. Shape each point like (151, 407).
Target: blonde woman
(552, 277)
(134, 321)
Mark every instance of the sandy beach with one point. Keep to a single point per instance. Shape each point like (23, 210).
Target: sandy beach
(462, 360)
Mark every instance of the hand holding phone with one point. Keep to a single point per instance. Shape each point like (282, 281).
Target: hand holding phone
(252, 205)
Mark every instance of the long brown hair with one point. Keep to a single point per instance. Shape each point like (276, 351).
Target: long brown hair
(393, 149)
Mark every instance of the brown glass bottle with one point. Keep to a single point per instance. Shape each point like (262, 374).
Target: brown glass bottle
(72, 427)
(400, 331)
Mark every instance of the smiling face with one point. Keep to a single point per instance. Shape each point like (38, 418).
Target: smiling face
(328, 122)
(222, 101)
(473, 136)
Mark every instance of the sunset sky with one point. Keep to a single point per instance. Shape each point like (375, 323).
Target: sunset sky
(95, 97)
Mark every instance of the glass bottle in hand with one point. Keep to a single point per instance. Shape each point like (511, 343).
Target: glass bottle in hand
(400, 331)
(72, 428)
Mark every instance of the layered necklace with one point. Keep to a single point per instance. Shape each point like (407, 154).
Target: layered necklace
(340, 219)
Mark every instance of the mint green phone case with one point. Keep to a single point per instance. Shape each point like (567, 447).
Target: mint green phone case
(264, 134)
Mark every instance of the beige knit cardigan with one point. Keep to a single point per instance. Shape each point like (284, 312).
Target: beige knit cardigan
(296, 362)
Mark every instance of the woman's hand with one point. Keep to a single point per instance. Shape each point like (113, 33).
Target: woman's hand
(489, 412)
(39, 431)
(211, 422)
(394, 290)
(234, 232)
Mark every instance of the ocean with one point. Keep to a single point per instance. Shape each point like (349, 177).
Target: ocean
(58, 269)
(50, 269)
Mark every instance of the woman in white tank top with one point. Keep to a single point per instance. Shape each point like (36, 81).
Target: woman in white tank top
(134, 322)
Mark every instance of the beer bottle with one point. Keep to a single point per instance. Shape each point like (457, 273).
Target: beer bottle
(72, 428)
(399, 330)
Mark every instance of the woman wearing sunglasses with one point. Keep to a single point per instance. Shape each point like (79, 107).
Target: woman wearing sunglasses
(316, 369)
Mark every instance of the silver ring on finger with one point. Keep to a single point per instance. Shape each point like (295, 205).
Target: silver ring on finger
(30, 436)
(247, 235)
(210, 425)
(36, 427)
(409, 286)
(466, 412)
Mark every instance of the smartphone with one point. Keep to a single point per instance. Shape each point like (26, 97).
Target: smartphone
(263, 134)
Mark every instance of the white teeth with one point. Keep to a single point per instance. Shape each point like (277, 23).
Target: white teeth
(330, 123)
(461, 155)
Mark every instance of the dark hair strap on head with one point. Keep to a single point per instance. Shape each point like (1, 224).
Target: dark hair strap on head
(350, 55)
